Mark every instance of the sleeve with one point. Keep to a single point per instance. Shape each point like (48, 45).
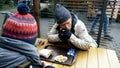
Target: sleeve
(79, 43)
(82, 39)
(53, 35)
(21, 48)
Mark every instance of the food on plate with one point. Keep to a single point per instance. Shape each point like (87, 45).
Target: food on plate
(60, 58)
(45, 53)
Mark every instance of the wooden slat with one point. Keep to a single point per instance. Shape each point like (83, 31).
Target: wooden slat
(77, 7)
(92, 58)
(39, 47)
(74, 0)
(115, 65)
(57, 65)
(113, 60)
(102, 58)
(75, 3)
(82, 59)
(48, 63)
(87, 0)
(72, 66)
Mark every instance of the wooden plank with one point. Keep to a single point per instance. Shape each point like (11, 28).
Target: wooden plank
(82, 59)
(112, 56)
(86, 0)
(113, 60)
(75, 3)
(57, 65)
(77, 7)
(72, 66)
(39, 46)
(48, 63)
(92, 58)
(115, 65)
(102, 58)
(74, 0)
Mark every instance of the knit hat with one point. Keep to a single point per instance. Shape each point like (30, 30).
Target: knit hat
(61, 14)
(21, 26)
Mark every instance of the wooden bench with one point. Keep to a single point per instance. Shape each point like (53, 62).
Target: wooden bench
(93, 58)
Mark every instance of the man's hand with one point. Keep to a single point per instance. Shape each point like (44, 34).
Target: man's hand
(46, 66)
(64, 34)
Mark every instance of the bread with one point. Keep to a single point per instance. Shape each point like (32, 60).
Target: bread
(45, 53)
(60, 58)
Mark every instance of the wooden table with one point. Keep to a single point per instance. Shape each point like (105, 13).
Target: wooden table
(93, 58)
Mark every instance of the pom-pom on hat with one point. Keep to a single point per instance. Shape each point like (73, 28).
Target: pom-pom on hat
(23, 8)
(61, 14)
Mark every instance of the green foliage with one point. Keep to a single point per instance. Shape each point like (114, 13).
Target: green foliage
(6, 4)
(4, 1)
(1, 3)
(0, 32)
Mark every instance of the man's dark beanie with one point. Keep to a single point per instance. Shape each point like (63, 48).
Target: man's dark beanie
(61, 14)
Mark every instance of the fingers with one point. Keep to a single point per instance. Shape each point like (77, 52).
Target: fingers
(44, 64)
(41, 42)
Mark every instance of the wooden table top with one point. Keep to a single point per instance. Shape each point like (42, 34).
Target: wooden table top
(93, 58)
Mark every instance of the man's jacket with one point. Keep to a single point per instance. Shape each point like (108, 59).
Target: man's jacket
(80, 38)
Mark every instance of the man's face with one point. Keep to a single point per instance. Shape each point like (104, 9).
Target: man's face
(67, 24)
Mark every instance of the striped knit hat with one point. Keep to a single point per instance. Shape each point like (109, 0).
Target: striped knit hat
(21, 25)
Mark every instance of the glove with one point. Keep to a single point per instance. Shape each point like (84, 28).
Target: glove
(64, 34)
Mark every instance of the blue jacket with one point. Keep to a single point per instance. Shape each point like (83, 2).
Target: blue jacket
(14, 52)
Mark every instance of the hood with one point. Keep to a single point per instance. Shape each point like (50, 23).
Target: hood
(74, 21)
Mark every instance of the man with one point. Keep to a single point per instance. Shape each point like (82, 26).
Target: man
(19, 34)
(105, 24)
(70, 29)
